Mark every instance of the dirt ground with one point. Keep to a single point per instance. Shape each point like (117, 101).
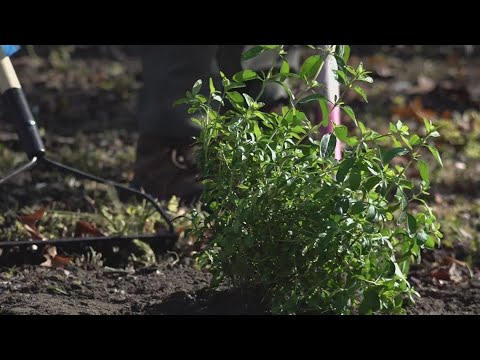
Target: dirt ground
(85, 100)
(156, 290)
(172, 290)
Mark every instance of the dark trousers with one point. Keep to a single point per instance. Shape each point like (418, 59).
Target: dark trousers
(169, 71)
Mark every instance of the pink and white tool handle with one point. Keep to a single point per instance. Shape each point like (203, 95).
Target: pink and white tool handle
(332, 91)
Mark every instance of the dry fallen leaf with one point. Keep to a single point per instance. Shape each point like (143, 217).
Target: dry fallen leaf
(33, 232)
(441, 273)
(52, 259)
(414, 110)
(455, 273)
(85, 228)
(450, 270)
(49, 253)
(62, 260)
(420, 111)
(30, 221)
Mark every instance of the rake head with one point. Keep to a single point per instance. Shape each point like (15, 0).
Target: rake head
(18, 112)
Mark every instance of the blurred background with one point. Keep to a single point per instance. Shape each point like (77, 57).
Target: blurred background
(84, 98)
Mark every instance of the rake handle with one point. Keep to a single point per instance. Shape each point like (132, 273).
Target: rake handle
(18, 110)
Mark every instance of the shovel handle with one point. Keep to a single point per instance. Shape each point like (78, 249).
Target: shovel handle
(18, 110)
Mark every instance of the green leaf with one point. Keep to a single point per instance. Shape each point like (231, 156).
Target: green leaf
(412, 224)
(352, 141)
(344, 168)
(399, 125)
(285, 68)
(234, 85)
(360, 68)
(406, 184)
(245, 75)
(392, 153)
(325, 112)
(342, 75)
(273, 154)
(435, 153)
(396, 142)
(428, 125)
(351, 70)
(299, 129)
(256, 130)
(371, 213)
(346, 53)
(197, 87)
(249, 100)
(415, 139)
(253, 52)
(360, 92)
(311, 98)
(402, 198)
(406, 142)
(212, 87)
(291, 97)
(370, 303)
(349, 111)
(357, 208)
(423, 167)
(327, 145)
(421, 237)
(430, 243)
(341, 132)
(342, 205)
(354, 179)
(367, 79)
(311, 67)
(180, 101)
(371, 183)
(236, 99)
(270, 47)
(362, 127)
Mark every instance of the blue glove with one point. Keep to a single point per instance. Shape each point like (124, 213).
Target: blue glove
(8, 50)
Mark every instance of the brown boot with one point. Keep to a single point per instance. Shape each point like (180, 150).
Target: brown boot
(164, 169)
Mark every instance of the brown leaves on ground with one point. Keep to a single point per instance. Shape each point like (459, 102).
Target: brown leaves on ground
(30, 221)
(52, 259)
(414, 110)
(450, 269)
(85, 228)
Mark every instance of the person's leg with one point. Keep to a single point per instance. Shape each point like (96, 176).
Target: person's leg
(229, 62)
(168, 72)
(165, 165)
(229, 59)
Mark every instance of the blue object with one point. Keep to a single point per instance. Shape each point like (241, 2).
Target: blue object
(8, 50)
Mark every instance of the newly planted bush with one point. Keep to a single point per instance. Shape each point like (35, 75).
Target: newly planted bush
(312, 233)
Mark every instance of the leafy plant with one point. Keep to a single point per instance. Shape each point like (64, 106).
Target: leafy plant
(313, 233)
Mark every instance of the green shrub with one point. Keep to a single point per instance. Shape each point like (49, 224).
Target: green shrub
(312, 233)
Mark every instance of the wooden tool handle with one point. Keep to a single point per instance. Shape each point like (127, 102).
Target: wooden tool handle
(18, 111)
